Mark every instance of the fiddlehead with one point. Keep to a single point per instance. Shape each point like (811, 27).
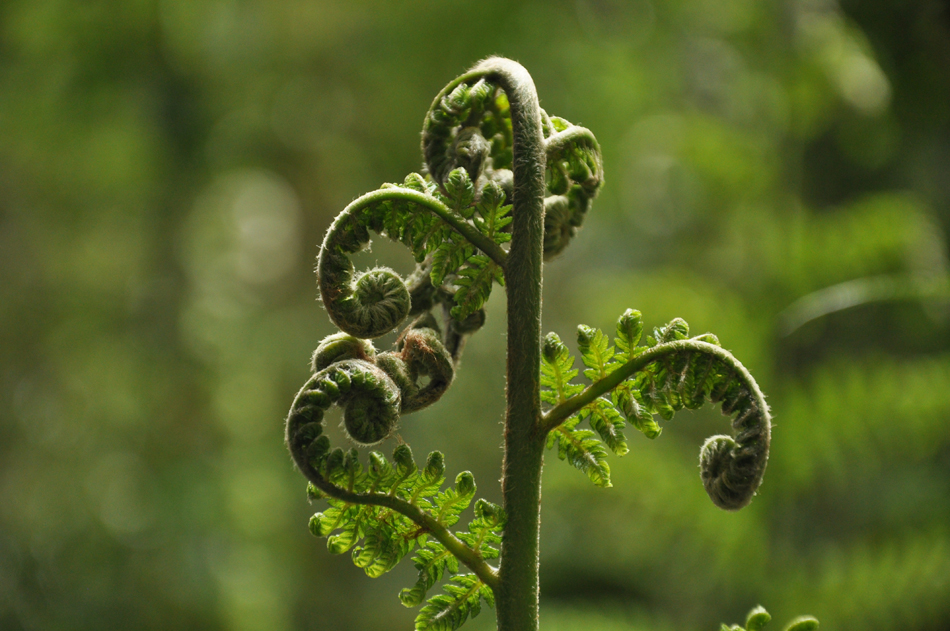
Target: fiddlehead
(390, 507)
(446, 235)
(420, 354)
(671, 373)
(469, 126)
(575, 173)
(370, 400)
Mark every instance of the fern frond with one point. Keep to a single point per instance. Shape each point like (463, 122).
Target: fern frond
(379, 535)
(430, 479)
(460, 192)
(462, 600)
(449, 504)
(432, 561)
(635, 409)
(629, 330)
(474, 285)
(448, 257)
(557, 370)
(372, 303)
(484, 532)
(605, 419)
(596, 352)
(492, 215)
(581, 450)
(673, 372)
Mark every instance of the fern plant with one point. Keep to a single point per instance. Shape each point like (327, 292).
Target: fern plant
(504, 187)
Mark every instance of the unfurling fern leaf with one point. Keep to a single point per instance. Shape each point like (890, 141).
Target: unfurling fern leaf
(557, 371)
(671, 373)
(474, 284)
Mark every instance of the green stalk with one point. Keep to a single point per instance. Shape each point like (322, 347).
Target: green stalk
(516, 595)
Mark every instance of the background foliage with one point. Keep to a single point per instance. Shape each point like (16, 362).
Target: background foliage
(167, 167)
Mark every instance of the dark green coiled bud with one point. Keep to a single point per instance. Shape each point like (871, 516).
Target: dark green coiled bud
(558, 230)
(435, 466)
(585, 335)
(630, 328)
(471, 152)
(465, 484)
(422, 355)
(490, 512)
(371, 409)
(553, 347)
(365, 305)
(371, 405)
(340, 346)
(402, 457)
(731, 473)
(469, 324)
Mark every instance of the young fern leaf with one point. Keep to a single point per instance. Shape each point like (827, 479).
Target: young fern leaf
(460, 192)
(673, 372)
(577, 446)
(581, 450)
(448, 257)
(380, 536)
(484, 532)
(462, 600)
(557, 371)
(432, 561)
(449, 504)
(596, 352)
(387, 535)
(474, 285)
(602, 415)
(372, 303)
(492, 215)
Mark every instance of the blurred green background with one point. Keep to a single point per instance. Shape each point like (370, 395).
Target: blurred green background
(168, 167)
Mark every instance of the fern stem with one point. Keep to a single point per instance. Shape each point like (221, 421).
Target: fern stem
(516, 595)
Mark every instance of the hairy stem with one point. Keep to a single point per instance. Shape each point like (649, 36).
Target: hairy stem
(517, 592)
